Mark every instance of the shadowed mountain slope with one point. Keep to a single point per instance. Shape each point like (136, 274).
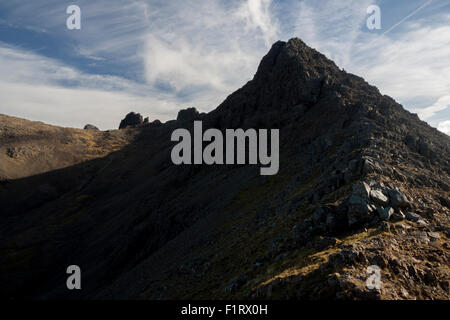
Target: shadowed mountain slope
(362, 182)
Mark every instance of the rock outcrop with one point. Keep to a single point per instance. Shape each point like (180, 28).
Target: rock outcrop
(189, 114)
(132, 119)
(90, 127)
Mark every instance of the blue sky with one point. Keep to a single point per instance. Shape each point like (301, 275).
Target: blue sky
(158, 56)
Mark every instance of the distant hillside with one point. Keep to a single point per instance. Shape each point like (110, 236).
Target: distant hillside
(28, 147)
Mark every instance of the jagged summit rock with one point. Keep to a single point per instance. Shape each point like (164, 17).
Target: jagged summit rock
(294, 59)
(290, 80)
(132, 119)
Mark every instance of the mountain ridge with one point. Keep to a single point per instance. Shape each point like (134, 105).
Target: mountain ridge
(143, 228)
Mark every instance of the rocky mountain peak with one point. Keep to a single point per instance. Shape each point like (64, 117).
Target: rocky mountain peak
(290, 80)
(295, 58)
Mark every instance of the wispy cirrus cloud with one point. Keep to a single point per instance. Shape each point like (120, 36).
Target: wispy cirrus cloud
(258, 16)
(333, 27)
(40, 88)
(164, 55)
(444, 126)
(443, 103)
(411, 66)
(208, 49)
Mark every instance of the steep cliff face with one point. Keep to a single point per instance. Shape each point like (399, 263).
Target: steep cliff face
(362, 182)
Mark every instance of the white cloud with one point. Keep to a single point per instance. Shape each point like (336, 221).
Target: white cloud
(257, 16)
(35, 87)
(208, 49)
(441, 104)
(185, 66)
(21, 66)
(77, 107)
(444, 126)
(410, 66)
